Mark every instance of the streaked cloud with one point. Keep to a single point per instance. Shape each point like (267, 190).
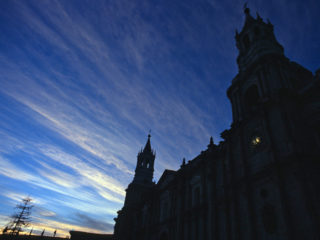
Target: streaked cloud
(81, 87)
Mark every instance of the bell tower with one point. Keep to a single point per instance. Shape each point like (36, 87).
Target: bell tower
(142, 180)
(264, 70)
(255, 41)
(145, 165)
(272, 141)
(137, 191)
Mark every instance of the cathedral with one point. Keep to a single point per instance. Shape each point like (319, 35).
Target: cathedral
(262, 181)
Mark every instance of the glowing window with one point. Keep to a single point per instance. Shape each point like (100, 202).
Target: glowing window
(256, 141)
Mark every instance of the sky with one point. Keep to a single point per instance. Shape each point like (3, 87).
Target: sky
(83, 81)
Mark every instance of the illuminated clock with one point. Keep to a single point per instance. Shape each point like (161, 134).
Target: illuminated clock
(256, 141)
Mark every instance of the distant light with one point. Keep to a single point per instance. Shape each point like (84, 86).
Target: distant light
(256, 141)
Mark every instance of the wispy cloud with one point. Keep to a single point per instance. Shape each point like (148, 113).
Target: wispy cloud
(39, 224)
(98, 96)
(93, 223)
(177, 113)
(57, 180)
(81, 86)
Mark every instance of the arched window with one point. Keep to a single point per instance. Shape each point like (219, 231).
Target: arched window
(196, 196)
(256, 31)
(251, 97)
(164, 211)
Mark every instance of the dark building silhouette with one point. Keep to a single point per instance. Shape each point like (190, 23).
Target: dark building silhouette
(262, 181)
(77, 235)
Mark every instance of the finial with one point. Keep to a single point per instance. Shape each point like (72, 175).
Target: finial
(211, 144)
(147, 147)
(183, 162)
(258, 17)
(246, 9)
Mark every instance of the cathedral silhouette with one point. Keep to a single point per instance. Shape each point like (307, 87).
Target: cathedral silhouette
(262, 181)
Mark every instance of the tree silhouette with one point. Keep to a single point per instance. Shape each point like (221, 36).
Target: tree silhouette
(21, 218)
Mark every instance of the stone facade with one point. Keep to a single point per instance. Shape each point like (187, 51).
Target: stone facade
(262, 181)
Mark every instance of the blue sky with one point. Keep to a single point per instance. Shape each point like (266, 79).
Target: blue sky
(82, 82)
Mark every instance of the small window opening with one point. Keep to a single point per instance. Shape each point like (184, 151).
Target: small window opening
(196, 196)
(164, 210)
(246, 41)
(256, 31)
(251, 97)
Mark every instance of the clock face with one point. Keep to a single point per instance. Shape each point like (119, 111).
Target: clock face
(256, 141)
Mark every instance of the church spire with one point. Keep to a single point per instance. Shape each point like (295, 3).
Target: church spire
(147, 147)
(145, 164)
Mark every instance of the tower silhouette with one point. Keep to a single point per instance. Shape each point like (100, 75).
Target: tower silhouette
(262, 180)
(145, 165)
(137, 190)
